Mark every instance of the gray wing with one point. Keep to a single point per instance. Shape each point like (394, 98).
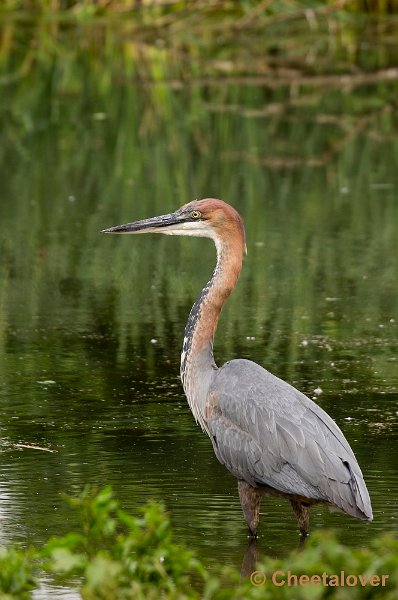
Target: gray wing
(268, 433)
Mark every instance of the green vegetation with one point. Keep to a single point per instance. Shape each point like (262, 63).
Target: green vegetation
(121, 7)
(279, 42)
(114, 556)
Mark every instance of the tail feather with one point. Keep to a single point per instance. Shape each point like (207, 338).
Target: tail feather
(362, 508)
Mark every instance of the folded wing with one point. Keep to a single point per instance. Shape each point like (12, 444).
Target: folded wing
(269, 434)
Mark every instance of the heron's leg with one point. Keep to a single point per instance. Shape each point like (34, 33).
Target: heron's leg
(250, 498)
(303, 516)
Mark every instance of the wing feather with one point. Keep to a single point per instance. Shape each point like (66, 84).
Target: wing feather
(269, 434)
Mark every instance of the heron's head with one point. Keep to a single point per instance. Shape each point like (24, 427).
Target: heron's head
(201, 218)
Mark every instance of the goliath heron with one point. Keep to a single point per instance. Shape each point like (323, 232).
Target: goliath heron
(270, 436)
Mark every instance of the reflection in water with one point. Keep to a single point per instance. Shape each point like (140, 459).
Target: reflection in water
(316, 303)
(252, 555)
(250, 558)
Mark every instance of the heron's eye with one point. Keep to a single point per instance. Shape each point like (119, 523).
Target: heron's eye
(196, 214)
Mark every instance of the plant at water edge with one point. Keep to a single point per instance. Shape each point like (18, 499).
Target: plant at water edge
(115, 556)
(16, 574)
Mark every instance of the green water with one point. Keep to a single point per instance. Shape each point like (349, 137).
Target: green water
(91, 326)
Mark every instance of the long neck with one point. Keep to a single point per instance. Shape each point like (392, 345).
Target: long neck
(197, 359)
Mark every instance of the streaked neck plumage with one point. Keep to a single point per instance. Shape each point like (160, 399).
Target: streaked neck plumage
(197, 359)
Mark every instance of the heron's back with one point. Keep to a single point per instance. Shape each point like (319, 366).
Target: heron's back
(268, 433)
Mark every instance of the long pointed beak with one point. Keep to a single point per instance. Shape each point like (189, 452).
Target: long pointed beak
(153, 225)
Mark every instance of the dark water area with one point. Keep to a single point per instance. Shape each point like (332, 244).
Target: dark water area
(91, 327)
